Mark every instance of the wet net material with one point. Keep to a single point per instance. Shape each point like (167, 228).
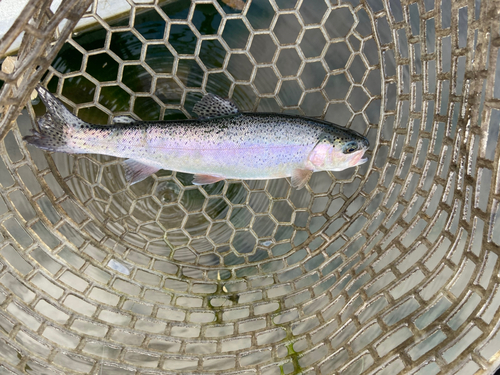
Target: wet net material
(388, 268)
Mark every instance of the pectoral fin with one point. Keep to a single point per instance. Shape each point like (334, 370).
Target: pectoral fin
(135, 171)
(300, 177)
(205, 179)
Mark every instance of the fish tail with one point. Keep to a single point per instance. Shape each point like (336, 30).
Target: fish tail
(56, 126)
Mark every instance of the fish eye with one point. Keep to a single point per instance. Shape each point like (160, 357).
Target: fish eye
(350, 147)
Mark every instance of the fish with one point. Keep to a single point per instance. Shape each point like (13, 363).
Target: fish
(222, 143)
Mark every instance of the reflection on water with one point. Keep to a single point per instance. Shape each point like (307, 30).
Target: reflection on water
(159, 58)
(190, 73)
(219, 84)
(183, 40)
(150, 24)
(212, 54)
(177, 9)
(114, 98)
(206, 19)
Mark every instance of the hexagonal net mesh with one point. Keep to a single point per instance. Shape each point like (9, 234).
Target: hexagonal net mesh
(391, 267)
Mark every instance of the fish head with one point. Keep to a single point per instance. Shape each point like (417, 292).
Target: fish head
(339, 153)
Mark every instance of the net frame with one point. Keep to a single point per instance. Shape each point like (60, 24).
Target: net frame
(469, 219)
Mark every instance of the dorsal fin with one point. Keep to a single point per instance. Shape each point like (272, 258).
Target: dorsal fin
(123, 120)
(214, 106)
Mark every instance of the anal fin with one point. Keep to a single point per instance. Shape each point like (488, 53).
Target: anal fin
(205, 179)
(300, 177)
(136, 171)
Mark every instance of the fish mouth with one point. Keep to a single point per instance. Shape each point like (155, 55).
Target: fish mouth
(366, 145)
(362, 161)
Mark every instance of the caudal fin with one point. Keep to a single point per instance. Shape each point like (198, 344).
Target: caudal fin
(56, 125)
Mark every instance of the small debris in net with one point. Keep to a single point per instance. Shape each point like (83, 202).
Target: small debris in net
(224, 289)
(235, 4)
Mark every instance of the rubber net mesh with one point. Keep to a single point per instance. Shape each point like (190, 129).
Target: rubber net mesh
(388, 268)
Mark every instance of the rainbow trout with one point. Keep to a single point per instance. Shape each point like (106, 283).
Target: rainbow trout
(223, 143)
